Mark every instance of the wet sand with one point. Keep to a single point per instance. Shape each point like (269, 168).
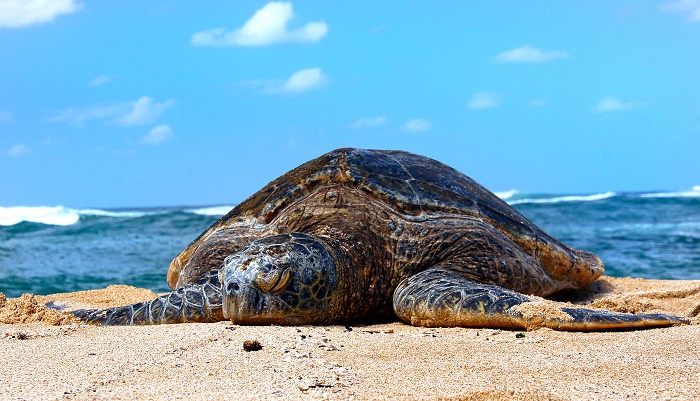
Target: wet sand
(46, 355)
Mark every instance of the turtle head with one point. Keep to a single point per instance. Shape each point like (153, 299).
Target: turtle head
(281, 279)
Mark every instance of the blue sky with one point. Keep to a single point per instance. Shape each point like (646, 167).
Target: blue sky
(121, 104)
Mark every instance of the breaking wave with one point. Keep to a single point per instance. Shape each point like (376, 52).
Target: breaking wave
(568, 198)
(211, 211)
(692, 193)
(57, 215)
(505, 195)
(63, 216)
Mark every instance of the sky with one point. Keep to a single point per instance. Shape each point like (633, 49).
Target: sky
(164, 103)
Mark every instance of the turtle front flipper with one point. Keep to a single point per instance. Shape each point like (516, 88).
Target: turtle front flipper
(197, 302)
(441, 298)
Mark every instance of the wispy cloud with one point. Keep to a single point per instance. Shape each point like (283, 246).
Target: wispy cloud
(417, 125)
(529, 54)
(5, 116)
(158, 134)
(304, 80)
(19, 13)
(612, 103)
(80, 116)
(365, 122)
(101, 80)
(143, 111)
(269, 25)
(300, 81)
(483, 100)
(16, 151)
(689, 7)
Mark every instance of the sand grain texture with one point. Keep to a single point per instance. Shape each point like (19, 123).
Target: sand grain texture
(384, 361)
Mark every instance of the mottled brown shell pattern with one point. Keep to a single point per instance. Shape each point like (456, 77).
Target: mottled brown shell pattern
(411, 184)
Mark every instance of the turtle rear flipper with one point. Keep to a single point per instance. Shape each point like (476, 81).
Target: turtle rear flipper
(441, 298)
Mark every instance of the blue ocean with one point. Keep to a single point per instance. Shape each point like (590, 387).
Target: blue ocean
(46, 250)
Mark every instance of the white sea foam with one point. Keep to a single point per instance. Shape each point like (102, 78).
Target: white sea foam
(106, 213)
(63, 216)
(507, 194)
(569, 198)
(56, 215)
(211, 211)
(692, 193)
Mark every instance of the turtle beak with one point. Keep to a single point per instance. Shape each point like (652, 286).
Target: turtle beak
(241, 301)
(232, 303)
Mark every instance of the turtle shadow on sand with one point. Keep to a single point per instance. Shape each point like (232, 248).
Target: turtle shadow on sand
(585, 295)
(356, 234)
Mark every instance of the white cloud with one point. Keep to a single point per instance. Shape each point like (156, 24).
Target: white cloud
(158, 134)
(300, 81)
(80, 116)
(612, 103)
(267, 26)
(304, 80)
(101, 80)
(691, 7)
(18, 13)
(143, 111)
(5, 116)
(529, 54)
(365, 122)
(483, 100)
(417, 125)
(17, 150)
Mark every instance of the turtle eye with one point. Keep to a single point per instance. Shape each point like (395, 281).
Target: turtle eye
(273, 281)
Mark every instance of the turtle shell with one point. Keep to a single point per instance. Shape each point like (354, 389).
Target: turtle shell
(413, 185)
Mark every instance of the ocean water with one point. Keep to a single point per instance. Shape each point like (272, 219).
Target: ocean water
(45, 250)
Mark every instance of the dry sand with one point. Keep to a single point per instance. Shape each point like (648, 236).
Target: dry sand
(47, 356)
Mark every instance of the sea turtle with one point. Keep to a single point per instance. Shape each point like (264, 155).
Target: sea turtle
(359, 234)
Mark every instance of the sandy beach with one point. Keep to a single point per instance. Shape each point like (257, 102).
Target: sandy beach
(47, 355)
